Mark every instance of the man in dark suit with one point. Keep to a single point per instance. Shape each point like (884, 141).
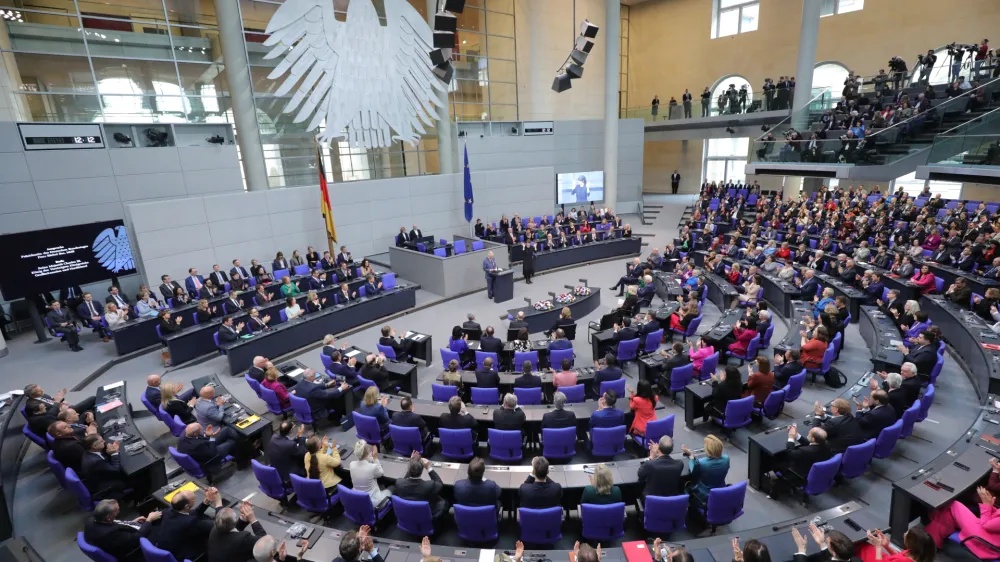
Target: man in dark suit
(119, 539)
(218, 276)
(490, 343)
(787, 366)
(345, 295)
(878, 415)
(237, 267)
(286, 453)
(371, 287)
(661, 475)
(207, 446)
(610, 372)
(559, 341)
(632, 272)
(625, 331)
(327, 261)
(457, 417)
(344, 271)
(90, 312)
(412, 487)
(487, 376)
(321, 397)
(538, 492)
(838, 547)
(489, 270)
(344, 256)
(527, 379)
(407, 418)
(803, 453)
(606, 414)
(923, 354)
(402, 238)
(257, 371)
(510, 417)
(475, 491)
(403, 348)
(470, 323)
(416, 233)
(101, 469)
(184, 528)
(60, 321)
(167, 287)
(194, 282)
(67, 449)
(314, 283)
(649, 326)
(229, 332)
(70, 296)
(228, 541)
(39, 418)
(233, 304)
(873, 287)
(558, 417)
(518, 322)
(807, 286)
(676, 357)
(842, 428)
(894, 303)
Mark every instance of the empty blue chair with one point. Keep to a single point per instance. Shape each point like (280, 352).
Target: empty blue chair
(367, 428)
(57, 468)
(482, 355)
(358, 506)
(603, 523)
(857, 459)
(459, 246)
(440, 252)
(607, 441)
(709, 366)
(680, 377)
(154, 554)
(618, 386)
(556, 357)
(443, 392)
(187, 463)
(737, 413)
(574, 394)
(405, 440)
(725, 504)
(925, 403)
(389, 352)
(654, 430)
(279, 273)
(505, 445)
(447, 356)
(281, 313)
(765, 341)
(79, 490)
(665, 514)
(628, 350)
(559, 444)
(301, 269)
(478, 524)
(388, 281)
(939, 284)
(457, 444)
(414, 517)
(41, 442)
(91, 551)
(269, 482)
(540, 526)
(794, 387)
(821, 476)
(302, 410)
(477, 245)
(362, 292)
(936, 369)
(311, 496)
(652, 341)
(521, 356)
(886, 441)
(485, 396)
(526, 396)
(272, 402)
(909, 418)
(773, 405)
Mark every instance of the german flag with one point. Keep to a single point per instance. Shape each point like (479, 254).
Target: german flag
(331, 231)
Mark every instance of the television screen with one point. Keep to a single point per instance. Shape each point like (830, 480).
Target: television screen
(580, 187)
(49, 260)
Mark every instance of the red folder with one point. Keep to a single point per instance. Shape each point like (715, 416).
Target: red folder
(637, 551)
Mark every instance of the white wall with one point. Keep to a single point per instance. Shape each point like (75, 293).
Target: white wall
(178, 234)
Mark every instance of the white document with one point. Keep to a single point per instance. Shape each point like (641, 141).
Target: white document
(114, 385)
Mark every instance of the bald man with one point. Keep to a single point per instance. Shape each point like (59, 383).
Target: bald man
(184, 528)
(207, 445)
(259, 367)
(804, 452)
(66, 448)
(209, 409)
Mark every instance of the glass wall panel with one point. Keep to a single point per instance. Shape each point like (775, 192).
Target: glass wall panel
(140, 73)
(124, 9)
(501, 92)
(46, 33)
(146, 40)
(500, 48)
(62, 107)
(48, 73)
(196, 77)
(499, 24)
(191, 12)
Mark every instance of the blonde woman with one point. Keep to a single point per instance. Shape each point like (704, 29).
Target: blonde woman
(322, 460)
(175, 406)
(601, 490)
(313, 302)
(365, 472)
(113, 316)
(374, 406)
(707, 472)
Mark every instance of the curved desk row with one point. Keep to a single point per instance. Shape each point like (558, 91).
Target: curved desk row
(881, 335)
(12, 441)
(583, 375)
(720, 291)
(541, 320)
(793, 338)
(143, 466)
(968, 334)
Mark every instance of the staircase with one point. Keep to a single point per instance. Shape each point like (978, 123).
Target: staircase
(650, 212)
(688, 211)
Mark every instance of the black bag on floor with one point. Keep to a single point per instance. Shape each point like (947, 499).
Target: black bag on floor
(834, 378)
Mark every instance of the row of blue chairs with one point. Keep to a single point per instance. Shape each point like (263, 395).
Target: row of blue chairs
(527, 396)
(150, 552)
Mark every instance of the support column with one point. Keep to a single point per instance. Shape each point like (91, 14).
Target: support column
(234, 56)
(808, 37)
(612, 63)
(445, 140)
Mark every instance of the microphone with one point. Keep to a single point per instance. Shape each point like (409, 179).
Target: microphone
(788, 525)
(774, 429)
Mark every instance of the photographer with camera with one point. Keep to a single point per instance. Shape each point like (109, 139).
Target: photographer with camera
(899, 69)
(926, 63)
(957, 53)
(981, 52)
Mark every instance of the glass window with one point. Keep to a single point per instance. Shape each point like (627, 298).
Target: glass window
(62, 108)
(194, 78)
(748, 18)
(734, 16)
(913, 186)
(141, 73)
(729, 23)
(44, 32)
(726, 158)
(728, 105)
(48, 73)
(731, 146)
(830, 75)
(831, 7)
(715, 170)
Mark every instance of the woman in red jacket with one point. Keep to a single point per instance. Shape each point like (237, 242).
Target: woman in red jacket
(811, 352)
(734, 276)
(760, 383)
(642, 402)
(271, 381)
(957, 517)
(784, 252)
(744, 331)
(925, 280)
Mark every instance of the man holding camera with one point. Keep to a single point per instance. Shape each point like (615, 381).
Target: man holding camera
(898, 68)
(926, 63)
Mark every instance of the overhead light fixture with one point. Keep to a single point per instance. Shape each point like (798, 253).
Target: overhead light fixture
(583, 44)
(572, 67)
(444, 39)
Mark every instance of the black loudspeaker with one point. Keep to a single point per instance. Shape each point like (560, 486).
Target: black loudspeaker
(579, 57)
(444, 21)
(588, 29)
(444, 72)
(561, 83)
(582, 44)
(456, 6)
(444, 40)
(574, 70)
(440, 56)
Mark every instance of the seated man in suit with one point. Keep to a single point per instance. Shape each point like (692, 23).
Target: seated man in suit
(238, 268)
(649, 326)
(402, 238)
(407, 418)
(457, 417)
(207, 446)
(39, 418)
(287, 453)
(873, 286)
(101, 469)
(233, 304)
(119, 539)
(412, 487)
(538, 492)
(184, 528)
(259, 368)
(403, 348)
(344, 271)
(839, 547)
(327, 261)
(117, 297)
(842, 428)
(923, 354)
(228, 332)
(518, 322)
(510, 417)
(487, 376)
(648, 291)
(786, 366)
(194, 282)
(490, 343)
(661, 475)
(371, 287)
(326, 398)
(475, 490)
(624, 332)
(470, 323)
(375, 371)
(610, 372)
(676, 357)
(606, 414)
(66, 448)
(313, 283)
(807, 285)
(228, 540)
(167, 287)
(61, 321)
(91, 312)
(345, 295)
(344, 256)
(218, 277)
(527, 379)
(558, 417)
(802, 454)
(559, 341)
(416, 233)
(81, 428)
(876, 414)
(632, 272)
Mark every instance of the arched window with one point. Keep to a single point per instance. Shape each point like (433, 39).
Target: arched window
(941, 71)
(738, 82)
(829, 75)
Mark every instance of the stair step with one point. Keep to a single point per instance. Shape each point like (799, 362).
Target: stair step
(652, 206)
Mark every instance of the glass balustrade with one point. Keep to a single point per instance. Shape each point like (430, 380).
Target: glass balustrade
(976, 143)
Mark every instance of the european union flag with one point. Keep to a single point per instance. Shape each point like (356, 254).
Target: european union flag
(468, 188)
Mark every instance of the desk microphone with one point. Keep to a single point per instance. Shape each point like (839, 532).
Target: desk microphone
(973, 434)
(787, 525)
(918, 474)
(774, 429)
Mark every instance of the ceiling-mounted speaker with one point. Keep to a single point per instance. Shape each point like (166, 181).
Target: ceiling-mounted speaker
(583, 44)
(456, 6)
(445, 21)
(440, 56)
(574, 70)
(444, 39)
(561, 82)
(588, 29)
(579, 57)
(444, 72)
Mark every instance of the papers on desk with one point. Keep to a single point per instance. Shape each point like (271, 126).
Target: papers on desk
(895, 343)
(187, 487)
(487, 555)
(104, 408)
(352, 353)
(114, 385)
(414, 336)
(294, 373)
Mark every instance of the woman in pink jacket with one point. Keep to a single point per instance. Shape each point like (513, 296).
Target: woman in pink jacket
(925, 280)
(698, 353)
(745, 331)
(957, 517)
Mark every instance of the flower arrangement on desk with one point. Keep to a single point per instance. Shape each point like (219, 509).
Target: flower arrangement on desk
(581, 291)
(542, 305)
(565, 298)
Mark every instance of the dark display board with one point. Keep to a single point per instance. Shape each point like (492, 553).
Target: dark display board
(49, 260)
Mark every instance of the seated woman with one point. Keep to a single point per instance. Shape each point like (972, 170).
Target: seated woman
(707, 472)
(144, 308)
(983, 305)
(365, 472)
(698, 353)
(726, 386)
(925, 280)
(911, 331)
(760, 382)
(459, 343)
(521, 343)
(812, 350)
(322, 459)
(271, 381)
(168, 325)
(642, 402)
(602, 489)
(744, 331)
(932, 240)
(180, 298)
(297, 259)
(204, 313)
(915, 250)
(113, 316)
(734, 276)
(366, 268)
(919, 543)
(237, 282)
(374, 406)
(452, 375)
(751, 290)
(292, 309)
(819, 304)
(288, 289)
(631, 299)
(681, 319)
(314, 303)
(259, 273)
(175, 406)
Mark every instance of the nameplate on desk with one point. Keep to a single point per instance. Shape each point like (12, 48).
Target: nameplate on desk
(352, 353)
(188, 487)
(414, 336)
(113, 385)
(109, 406)
(895, 343)
(247, 422)
(294, 373)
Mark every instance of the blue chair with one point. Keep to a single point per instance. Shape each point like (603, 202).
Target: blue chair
(751, 352)
(414, 517)
(443, 392)
(617, 385)
(269, 482)
(505, 445)
(405, 440)
(477, 245)
(368, 428)
(485, 396)
(559, 444)
(311, 496)
(440, 252)
(281, 314)
(56, 332)
(358, 507)
(91, 551)
(521, 356)
(925, 403)
(628, 350)
(388, 281)
(773, 405)
(254, 385)
(325, 359)
(187, 463)
(301, 269)
(302, 410)
(448, 356)
(857, 459)
(828, 357)
(57, 468)
(149, 406)
(154, 554)
(279, 273)
(603, 522)
(737, 414)
(173, 423)
(459, 246)
(273, 404)
(652, 341)
(79, 490)
(794, 387)
(709, 366)
(608, 441)
(909, 418)
(526, 396)
(654, 430)
(936, 369)
(41, 442)
(575, 394)
(362, 292)
(389, 352)
(821, 476)
(680, 377)
(765, 340)
(724, 505)
(885, 443)
(939, 284)
(478, 524)
(692, 328)
(457, 444)
(540, 526)
(665, 514)
(482, 355)
(556, 357)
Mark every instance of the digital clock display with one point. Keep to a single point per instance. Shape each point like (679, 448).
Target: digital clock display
(62, 140)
